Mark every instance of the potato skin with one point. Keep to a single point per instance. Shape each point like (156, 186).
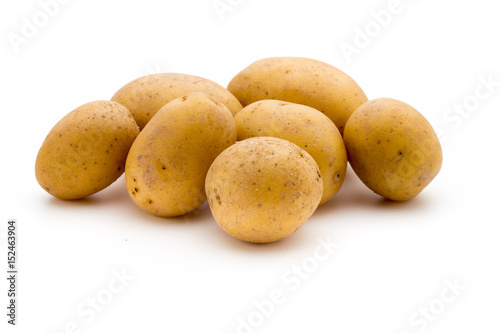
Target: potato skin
(303, 81)
(148, 94)
(263, 189)
(86, 150)
(392, 148)
(304, 126)
(167, 164)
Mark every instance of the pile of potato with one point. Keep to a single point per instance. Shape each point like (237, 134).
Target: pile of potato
(265, 152)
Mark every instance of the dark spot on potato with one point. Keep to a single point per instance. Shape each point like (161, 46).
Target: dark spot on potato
(337, 177)
(136, 189)
(259, 205)
(378, 142)
(139, 157)
(150, 201)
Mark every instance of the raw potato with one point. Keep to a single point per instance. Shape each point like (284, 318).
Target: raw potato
(303, 81)
(86, 150)
(148, 94)
(167, 164)
(392, 148)
(306, 127)
(263, 189)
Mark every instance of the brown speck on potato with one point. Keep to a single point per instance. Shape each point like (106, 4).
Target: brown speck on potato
(217, 197)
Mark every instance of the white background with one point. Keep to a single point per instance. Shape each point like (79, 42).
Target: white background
(393, 261)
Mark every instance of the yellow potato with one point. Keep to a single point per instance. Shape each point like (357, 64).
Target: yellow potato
(148, 94)
(86, 150)
(167, 164)
(307, 128)
(392, 148)
(303, 81)
(263, 189)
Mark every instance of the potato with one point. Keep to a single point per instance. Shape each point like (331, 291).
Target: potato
(392, 148)
(306, 127)
(300, 80)
(148, 94)
(167, 164)
(86, 150)
(263, 189)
